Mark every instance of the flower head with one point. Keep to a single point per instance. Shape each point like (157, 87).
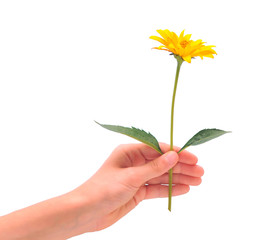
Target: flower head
(183, 46)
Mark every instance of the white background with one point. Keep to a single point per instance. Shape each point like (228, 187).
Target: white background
(64, 64)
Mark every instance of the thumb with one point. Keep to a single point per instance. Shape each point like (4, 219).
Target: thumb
(158, 166)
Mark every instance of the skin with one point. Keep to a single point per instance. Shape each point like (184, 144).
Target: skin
(131, 174)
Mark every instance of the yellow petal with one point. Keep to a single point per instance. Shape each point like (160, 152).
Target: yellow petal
(187, 59)
(181, 35)
(163, 34)
(187, 37)
(162, 41)
(175, 38)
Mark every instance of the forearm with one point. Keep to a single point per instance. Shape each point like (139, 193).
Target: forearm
(57, 218)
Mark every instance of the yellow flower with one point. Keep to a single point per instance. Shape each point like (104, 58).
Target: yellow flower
(182, 45)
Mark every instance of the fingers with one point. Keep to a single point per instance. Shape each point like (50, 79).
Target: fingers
(176, 179)
(154, 168)
(182, 174)
(186, 169)
(160, 191)
(141, 167)
(138, 154)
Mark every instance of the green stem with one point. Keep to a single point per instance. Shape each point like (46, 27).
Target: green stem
(180, 61)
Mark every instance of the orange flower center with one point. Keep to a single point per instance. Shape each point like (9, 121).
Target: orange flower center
(184, 43)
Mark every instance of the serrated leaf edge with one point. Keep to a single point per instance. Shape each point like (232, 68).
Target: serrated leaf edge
(157, 148)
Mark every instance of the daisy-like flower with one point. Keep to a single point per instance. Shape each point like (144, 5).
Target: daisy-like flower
(183, 46)
(183, 49)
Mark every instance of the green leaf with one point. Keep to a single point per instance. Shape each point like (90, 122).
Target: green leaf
(135, 133)
(203, 136)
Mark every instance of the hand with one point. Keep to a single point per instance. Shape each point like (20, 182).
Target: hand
(132, 173)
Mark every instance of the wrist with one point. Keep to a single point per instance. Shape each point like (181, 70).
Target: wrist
(83, 208)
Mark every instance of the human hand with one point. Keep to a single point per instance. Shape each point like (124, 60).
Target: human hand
(132, 173)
